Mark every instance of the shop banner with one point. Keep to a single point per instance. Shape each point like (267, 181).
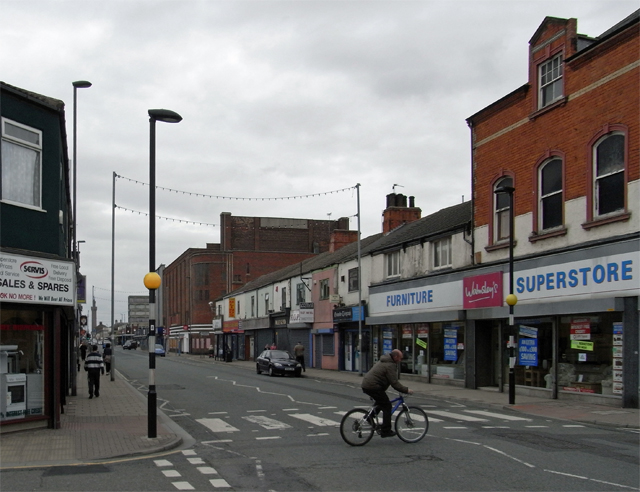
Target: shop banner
(36, 280)
(451, 349)
(483, 291)
(528, 352)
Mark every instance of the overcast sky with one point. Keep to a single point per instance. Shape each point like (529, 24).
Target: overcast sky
(279, 99)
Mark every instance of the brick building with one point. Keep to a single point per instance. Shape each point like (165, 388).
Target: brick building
(249, 248)
(566, 145)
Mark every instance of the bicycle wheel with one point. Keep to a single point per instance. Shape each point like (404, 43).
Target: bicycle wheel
(354, 429)
(412, 424)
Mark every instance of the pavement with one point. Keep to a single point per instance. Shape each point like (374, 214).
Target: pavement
(114, 426)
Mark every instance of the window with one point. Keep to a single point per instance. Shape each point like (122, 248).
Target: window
(21, 164)
(442, 253)
(301, 293)
(608, 173)
(550, 189)
(284, 299)
(253, 306)
(502, 207)
(393, 264)
(353, 280)
(550, 81)
(324, 289)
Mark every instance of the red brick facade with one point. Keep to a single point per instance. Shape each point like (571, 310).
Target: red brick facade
(514, 136)
(249, 248)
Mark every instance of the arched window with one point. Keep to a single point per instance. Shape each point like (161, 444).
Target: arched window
(501, 207)
(550, 196)
(608, 174)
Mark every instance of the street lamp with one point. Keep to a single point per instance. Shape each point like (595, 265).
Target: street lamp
(152, 279)
(511, 299)
(79, 84)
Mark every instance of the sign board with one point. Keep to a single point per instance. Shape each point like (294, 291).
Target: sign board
(35, 280)
(482, 291)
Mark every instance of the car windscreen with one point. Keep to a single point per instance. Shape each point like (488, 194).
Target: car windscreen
(279, 354)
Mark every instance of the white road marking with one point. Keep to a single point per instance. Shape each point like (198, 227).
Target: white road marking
(188, 452)
(171, 473)
(217, 425)
(456, 416)
(318, 434)
(454, 427)
(163, 463)
(251, 411)
(326, 408)
(536, 426)
(218, 413)
(183, 485)
(219, 482)
(217, 441)
(267, 437)
(496, 415)
(568, 425)
(207, 470)
(196, 461)
(266, 422)
(290, 409)
(319, 421)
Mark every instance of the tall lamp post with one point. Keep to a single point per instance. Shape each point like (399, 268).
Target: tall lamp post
(78, 84)
(511, 298)
(152, 279)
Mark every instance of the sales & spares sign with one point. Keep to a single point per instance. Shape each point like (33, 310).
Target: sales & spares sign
(36, 280)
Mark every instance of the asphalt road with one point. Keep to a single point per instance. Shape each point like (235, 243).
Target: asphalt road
(255, 432)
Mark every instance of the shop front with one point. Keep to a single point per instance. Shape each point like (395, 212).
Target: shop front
(300, 325)
(350, 322)
(36, 339)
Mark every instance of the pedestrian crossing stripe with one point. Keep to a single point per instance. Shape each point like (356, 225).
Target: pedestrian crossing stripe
(457, 416)
(266, 422)
(217, 425)
(496, 415)
(312, 419)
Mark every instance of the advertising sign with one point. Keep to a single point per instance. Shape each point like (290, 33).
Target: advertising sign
(37, 280)
(528, 351)
(580, 329)
(482, 291)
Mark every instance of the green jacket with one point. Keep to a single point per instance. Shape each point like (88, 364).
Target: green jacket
(383, 375)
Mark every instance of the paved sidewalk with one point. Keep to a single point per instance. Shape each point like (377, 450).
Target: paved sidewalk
(115, 424)
(111, 426)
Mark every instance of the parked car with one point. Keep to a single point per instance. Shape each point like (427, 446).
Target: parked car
(276, 362)
(160, 350)
(130, 345)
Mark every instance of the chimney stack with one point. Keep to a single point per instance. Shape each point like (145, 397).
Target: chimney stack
(397, 212)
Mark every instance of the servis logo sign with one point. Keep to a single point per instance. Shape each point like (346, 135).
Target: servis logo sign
(34, 269)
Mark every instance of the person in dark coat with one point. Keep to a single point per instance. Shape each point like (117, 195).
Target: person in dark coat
(107, 353)
(375, 384)
(94, 365)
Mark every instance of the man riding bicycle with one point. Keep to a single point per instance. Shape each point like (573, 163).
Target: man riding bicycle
(375, 384)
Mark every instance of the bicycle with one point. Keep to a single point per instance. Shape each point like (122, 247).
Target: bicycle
(358, 425)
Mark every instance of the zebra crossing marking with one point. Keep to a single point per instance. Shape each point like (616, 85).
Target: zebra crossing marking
(266, 422)
(497, 415)
(171, 473)
(217, 425)
(313, 419)
(163, 463)
(183, 485)
(457, 416)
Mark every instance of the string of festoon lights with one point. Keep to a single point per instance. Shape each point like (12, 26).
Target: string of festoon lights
(219, 197)
(254, 199)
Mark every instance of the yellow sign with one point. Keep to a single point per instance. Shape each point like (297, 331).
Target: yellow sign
(421, 343)
(580, 345)
(232, 307)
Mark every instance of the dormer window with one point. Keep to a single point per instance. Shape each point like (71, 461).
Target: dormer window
(550, 81)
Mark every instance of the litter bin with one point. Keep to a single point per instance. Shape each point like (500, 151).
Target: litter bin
(228, 357)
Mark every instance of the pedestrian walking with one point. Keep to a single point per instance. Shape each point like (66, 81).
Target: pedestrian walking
(83, 351)
(107, 353)
(94, 365)
(298, 351)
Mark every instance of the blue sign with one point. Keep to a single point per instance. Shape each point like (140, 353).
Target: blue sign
(387, 346)
(528, 352)
(450, 349)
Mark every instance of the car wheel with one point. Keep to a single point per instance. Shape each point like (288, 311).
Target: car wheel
(258, 371)
(271, 373)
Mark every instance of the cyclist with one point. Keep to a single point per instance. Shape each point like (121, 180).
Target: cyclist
(375, 384)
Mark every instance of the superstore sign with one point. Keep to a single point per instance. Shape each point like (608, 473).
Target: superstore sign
(36, 280)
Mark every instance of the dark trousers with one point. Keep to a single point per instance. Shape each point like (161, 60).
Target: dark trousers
(94, 382)
(300, 358)
(384, 405)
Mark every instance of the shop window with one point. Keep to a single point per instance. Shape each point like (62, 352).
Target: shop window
(590, 354)
(533, 352)
(442, 253)
(501, 210)
(353, 280)
(324, 289)
(550, 81)
(550, 199)
(608, 175)
(393, 264)
(23, 365)
(21, 164)
(447, 350)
